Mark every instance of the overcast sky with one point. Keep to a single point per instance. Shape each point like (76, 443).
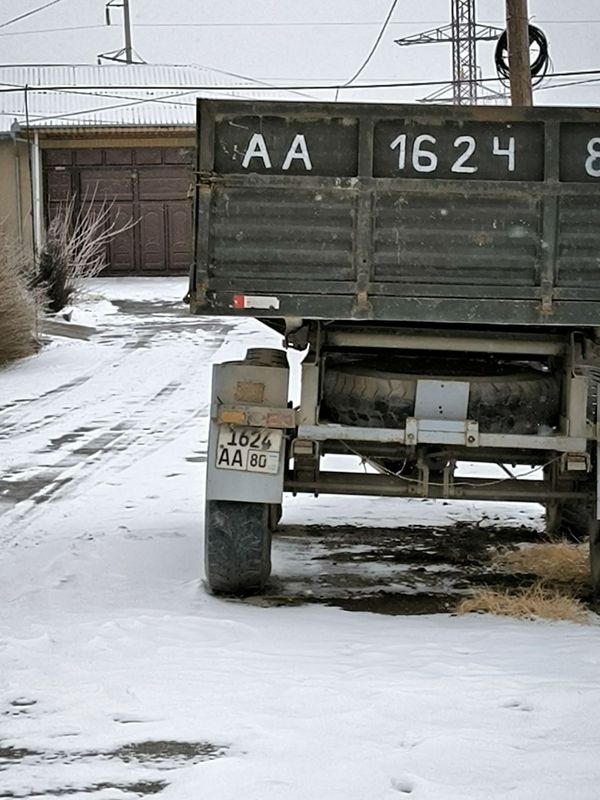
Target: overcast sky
(271, 40)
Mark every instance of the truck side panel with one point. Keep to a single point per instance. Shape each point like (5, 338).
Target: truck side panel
(398, 213)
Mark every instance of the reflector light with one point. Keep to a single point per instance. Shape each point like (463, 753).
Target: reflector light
(232, 417)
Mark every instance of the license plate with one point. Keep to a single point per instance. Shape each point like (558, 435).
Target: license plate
(249, 449)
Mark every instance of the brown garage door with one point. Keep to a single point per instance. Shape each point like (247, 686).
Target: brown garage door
(147, 184)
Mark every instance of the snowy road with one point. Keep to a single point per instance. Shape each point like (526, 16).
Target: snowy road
(120, 677)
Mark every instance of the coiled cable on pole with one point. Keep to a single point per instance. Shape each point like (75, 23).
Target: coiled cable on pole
(540, 64)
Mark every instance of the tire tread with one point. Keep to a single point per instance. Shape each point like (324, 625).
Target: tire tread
(237, 542)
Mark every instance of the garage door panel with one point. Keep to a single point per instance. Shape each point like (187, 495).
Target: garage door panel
(179, 155)
(113, 185)
(88, 157)
(59, 186)
(148, 184)
(179, 223)
(118, 156)
(152, 228)
(118, 251)
(149, 155)
(165, 183)
(121, 250)
(58, 157)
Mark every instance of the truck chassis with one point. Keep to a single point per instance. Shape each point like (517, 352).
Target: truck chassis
(246, 482)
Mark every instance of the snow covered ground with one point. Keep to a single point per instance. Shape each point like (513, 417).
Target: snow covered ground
(120, 677)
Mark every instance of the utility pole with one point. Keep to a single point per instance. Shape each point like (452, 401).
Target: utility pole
(126, 55)
(127, 24)
(517, 32)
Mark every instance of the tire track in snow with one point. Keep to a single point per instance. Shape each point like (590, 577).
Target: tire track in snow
(108, 452)
(138, 400)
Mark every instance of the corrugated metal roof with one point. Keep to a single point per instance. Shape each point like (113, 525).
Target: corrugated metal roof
(115, 94)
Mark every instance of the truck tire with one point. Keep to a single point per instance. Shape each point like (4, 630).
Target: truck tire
(507, 399)
(237, 547)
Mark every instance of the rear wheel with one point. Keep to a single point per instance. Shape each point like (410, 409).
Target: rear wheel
(237, 547)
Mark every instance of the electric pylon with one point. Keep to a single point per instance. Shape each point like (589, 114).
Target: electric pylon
(463, 32)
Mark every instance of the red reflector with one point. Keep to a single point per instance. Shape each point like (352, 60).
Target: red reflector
(238, 301)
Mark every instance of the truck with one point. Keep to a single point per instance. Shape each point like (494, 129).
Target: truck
(438, 268)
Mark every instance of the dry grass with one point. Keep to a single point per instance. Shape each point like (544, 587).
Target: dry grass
(533, 602)
(76, 248)
(18, 304)
(560, 562)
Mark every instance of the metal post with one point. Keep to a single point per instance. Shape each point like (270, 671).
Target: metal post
(125, 55)
(127, 22)
(517, 31)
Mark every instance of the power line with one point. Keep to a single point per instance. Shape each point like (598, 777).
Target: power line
(172, 99)
(29, 13)
(340, 23)
(71, 28)
(12, 88)
(130, 104)
(375, 44)
(294, 24)
(53, 30)
(549, 85)
(7, 88)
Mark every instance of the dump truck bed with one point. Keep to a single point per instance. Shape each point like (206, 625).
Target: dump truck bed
(487, 215)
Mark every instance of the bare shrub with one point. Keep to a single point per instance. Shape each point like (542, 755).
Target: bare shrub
(533, 602)
(561, 562)
(75, 249)
(18, 303)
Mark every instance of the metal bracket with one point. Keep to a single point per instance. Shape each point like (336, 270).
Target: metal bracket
(306, 457)
(255, 416)
(442, 399)
(442, 431)
(575, 462)
(547, 299)
(423, 476)
(298, 339)
(206, 178)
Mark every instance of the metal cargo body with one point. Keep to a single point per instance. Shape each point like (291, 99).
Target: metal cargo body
(398, 213)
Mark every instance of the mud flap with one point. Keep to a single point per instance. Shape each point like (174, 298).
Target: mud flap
(238, 385)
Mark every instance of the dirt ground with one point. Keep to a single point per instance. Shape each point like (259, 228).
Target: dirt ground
(406, 570)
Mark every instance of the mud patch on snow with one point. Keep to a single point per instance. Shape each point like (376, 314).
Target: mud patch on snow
(139, 788)
(9, 755)
(151, 755)
(404, 570)
(398, 604)
(168, 754)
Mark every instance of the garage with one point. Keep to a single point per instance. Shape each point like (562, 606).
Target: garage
(149, 185)
(124, 133)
